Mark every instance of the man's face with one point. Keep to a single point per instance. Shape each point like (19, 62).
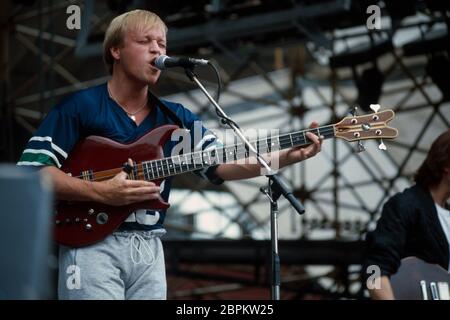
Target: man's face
(138, 52)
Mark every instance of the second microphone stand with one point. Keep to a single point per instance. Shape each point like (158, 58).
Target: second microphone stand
(275, 188)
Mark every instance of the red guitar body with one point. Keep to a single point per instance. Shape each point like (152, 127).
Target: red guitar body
(82, 223)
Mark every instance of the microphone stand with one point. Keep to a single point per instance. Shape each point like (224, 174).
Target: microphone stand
(275, 188)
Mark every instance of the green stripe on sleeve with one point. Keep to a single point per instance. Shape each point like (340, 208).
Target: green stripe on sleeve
(38, 157)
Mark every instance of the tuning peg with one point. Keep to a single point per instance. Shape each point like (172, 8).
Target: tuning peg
(354, 111)
(360, 147)
(382, 146)
(375, 107)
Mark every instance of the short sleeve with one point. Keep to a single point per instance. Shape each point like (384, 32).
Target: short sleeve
(53, 141)
(204, 141)
(208, 141)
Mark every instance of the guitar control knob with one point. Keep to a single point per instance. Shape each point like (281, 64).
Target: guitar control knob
(102, 218)
(88, 226)
(77, 219)
(57, 222)
(67, 220)
(91, 211)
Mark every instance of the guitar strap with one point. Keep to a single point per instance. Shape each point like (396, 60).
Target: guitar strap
(165, 109)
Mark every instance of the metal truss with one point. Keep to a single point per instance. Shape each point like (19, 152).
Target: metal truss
(339, 205)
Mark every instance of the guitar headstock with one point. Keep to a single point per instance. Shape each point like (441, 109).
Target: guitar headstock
(369, 126)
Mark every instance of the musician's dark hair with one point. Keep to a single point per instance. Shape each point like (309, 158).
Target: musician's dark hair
(438, 158)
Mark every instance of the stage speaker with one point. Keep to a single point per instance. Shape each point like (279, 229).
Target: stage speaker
(25, 244)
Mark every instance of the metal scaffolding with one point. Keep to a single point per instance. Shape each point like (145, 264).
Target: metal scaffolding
(270, 57)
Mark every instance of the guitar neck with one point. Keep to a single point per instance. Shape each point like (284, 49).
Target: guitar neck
(171, 166)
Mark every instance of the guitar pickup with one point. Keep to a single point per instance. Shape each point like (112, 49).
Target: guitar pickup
(423, 288)
(434, 291)
(443, 289)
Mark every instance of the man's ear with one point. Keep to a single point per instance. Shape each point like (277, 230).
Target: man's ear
(115, 52)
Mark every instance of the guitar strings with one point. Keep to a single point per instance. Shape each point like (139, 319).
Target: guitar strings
(285, 138)
(324, 131)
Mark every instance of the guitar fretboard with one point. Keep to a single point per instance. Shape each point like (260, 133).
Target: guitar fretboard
(170, 166)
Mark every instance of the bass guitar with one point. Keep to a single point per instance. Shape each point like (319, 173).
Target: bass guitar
(98, 159)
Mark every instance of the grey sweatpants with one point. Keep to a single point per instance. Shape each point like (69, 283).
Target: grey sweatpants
(125, 265)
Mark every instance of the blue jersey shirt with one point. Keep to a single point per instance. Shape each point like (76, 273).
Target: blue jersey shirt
(92, 112)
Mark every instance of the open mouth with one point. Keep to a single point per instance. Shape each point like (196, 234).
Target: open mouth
(153, 61)
(153, 65)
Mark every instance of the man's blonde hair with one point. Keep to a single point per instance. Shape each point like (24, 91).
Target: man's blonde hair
(137, 20)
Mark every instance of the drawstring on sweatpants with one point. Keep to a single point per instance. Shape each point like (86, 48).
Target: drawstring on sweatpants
(144, 253)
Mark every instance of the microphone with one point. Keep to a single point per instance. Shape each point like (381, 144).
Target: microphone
(163, 62)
